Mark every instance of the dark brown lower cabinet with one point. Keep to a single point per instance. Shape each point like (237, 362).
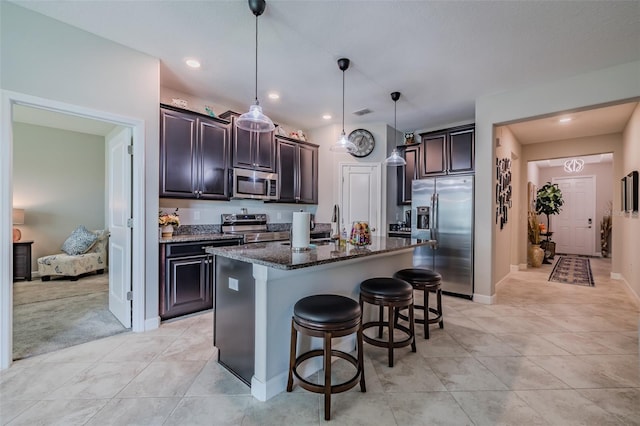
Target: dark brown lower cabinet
(187, 277)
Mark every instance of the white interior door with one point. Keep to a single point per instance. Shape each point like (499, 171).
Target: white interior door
(574, 228)
(118, 213)
(360, 195)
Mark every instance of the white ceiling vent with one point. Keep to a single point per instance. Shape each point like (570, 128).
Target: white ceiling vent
(363, 111)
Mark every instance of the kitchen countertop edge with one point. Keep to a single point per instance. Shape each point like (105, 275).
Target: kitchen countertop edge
(280, 252)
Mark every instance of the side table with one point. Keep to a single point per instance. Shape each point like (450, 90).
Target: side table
(22, 260)
(549, 248)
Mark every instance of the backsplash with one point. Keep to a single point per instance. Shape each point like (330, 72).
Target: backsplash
(215, 229)
(201, 212)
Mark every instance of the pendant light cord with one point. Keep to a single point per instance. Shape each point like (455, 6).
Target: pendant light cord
(256, 86)
(343, 102)
(395, 125)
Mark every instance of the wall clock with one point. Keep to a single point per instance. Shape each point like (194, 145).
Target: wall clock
(364, 142)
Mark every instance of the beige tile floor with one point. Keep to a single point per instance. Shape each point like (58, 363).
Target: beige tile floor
(546, 353)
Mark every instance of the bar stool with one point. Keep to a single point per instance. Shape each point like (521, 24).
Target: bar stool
(326, 316)
(427, 281)
(395, 295)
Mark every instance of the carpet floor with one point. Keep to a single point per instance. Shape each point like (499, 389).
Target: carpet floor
(572, 270)
(52, 315)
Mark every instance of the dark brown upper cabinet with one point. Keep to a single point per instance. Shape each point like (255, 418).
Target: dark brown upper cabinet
(408, 173)
(251, 150)
(448, 151)
(297, 171)
(194, 155)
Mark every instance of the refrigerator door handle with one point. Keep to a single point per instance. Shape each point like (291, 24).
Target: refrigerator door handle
(434, 216)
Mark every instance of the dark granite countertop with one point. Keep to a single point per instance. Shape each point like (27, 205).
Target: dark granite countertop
(279, 255)
(183, 238)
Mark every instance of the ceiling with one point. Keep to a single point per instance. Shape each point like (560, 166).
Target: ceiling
(442, 55)
(588, 159)
(57, 120)
(575, 124)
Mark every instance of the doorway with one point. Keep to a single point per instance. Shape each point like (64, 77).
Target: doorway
(360, 195)
(575, 225)
(135, 199)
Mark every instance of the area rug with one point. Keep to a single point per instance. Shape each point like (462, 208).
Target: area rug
(572, 270)
(48, 316)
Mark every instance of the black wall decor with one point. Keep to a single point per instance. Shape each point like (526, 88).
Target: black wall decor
(631, 195)
(503, 190)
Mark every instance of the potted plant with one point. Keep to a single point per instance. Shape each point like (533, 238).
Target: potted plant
(549, 201)
(167, 221)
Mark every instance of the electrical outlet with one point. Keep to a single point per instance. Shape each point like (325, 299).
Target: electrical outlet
(233, 284)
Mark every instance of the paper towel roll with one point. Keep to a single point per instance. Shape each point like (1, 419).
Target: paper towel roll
(300, 230)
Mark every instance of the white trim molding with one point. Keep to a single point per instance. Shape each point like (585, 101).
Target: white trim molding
(9, 99)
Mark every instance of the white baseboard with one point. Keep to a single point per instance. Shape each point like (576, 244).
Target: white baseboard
(485, 300)
(151, 323)
(264, 391)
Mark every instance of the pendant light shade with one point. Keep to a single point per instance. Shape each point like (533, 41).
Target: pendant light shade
(343, 144)
(395, 160)
(255, 120)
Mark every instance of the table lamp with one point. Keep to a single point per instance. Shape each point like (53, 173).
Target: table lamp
(18, 219)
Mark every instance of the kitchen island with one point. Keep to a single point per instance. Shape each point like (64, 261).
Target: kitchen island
(258, 284)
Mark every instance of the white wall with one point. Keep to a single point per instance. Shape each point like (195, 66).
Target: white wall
(589, 89)
(59, 179)
(507, 238)
(45, 58)
(628, 225)
(329, 165)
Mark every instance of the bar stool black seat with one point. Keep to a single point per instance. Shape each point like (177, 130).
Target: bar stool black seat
(326, 316)
(427, 281)
(395, 295)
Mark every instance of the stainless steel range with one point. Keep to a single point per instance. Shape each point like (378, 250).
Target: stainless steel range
(253, 227)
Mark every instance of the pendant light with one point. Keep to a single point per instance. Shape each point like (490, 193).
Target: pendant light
(255, 120)
(343, 144)
(395, 160)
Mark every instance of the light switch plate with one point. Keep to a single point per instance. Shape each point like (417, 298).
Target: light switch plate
(233, 284)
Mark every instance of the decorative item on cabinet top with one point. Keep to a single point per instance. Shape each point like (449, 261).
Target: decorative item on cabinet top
(409, 138)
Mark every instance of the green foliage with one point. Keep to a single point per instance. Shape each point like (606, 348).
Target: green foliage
(549, 199)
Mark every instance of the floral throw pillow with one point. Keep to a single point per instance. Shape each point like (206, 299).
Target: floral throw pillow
(80, 240)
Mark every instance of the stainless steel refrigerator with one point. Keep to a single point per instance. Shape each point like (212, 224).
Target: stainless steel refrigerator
(442, 210)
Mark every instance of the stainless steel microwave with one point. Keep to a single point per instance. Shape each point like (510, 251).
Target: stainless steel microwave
(254, 185)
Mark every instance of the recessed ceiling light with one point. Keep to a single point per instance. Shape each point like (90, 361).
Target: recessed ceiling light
(273, 95)
(327, 117)
(565, 119)
(193, 63)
